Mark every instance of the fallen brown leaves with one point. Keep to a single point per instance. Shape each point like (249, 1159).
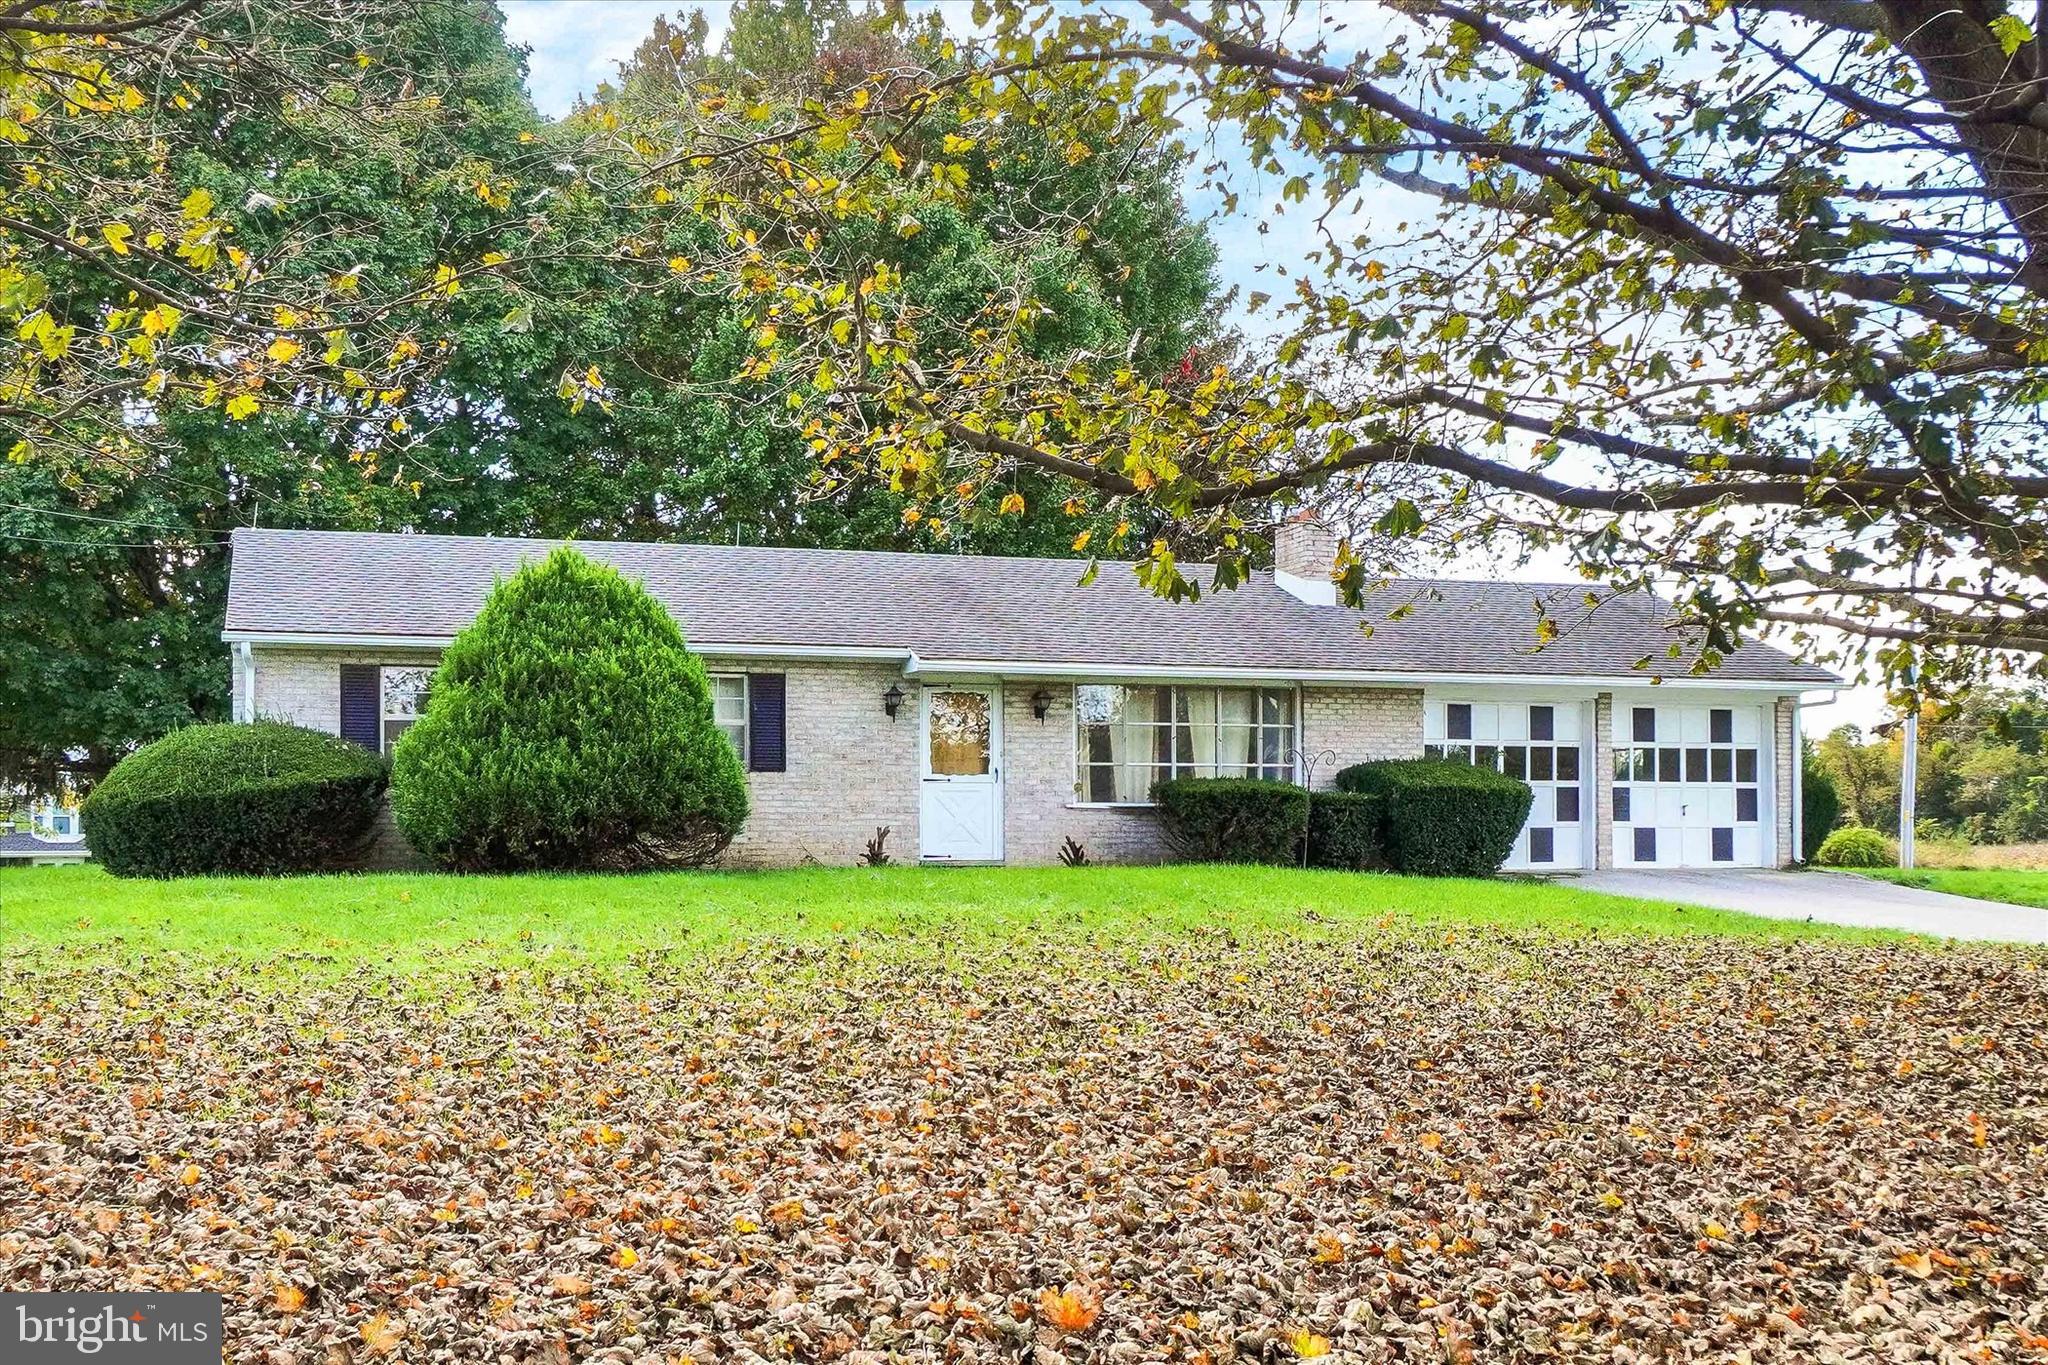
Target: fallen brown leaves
(1480, 1149)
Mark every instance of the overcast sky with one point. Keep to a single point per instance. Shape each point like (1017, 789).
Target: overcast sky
(574, 44)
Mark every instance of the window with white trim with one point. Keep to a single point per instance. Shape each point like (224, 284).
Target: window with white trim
(729, 708)
(402, 697)
(1126, 738)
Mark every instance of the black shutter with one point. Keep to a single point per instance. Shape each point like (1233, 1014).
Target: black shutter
(767, 731)
(361, 701)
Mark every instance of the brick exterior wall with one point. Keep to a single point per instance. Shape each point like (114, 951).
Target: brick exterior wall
(1357, 724)
(851, 768)
(1603, 780)
(1781, 779)
(1039, 810)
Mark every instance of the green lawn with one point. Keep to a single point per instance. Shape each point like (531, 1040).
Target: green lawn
(2011, 885)
(408, 921)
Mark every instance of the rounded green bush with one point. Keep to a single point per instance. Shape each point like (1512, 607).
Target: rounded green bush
(1344, 831)
(1857, 846)
(1442, 819)
(264, 798)
(1232, 819)
(568, 728)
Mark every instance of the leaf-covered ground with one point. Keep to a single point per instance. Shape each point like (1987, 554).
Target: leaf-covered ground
(1405, 1145)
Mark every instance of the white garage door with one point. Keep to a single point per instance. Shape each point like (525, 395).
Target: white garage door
(1689, 786)
(1542, 743)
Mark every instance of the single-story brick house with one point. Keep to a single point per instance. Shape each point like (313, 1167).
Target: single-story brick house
(987, 709)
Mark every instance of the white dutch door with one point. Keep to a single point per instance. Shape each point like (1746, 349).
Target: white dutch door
(960, 804)
(1690, 786)
(1543, 744)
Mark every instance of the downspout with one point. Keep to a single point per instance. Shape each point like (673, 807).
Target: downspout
(248, 670)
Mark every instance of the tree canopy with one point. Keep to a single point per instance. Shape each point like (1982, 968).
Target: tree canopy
(1739, 299)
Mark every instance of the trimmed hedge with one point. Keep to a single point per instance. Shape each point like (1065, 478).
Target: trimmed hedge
(1857, 846)
(568, 727)
(263, 798)
(1442, 819)
(1344, 831)
(1233, 819)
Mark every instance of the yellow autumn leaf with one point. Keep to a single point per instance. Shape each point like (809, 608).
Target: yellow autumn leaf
(626, 1258)
(243, 405)
(189, 1176)
(1013, 504)
(290, 1298)
(197, 204)
(1307, 1345)
(282, 350)
(381, 1335)
(117, 235)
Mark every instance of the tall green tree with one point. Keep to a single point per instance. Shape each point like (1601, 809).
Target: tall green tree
(195, 394)
(687, 444)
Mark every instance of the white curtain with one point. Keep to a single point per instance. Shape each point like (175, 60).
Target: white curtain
(1133, 734)
(1195, 713)
(1234, 744)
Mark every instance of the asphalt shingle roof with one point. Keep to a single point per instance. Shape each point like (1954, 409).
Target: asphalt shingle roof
(972, 607)
(14, 843)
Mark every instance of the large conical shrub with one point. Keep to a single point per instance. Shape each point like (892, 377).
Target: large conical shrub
(568, 727)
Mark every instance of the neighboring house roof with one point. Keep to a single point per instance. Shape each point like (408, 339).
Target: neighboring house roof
(34, 846)
(973, 608)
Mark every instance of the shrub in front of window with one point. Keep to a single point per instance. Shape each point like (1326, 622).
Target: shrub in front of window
(1344, 831)
(1442, 819)
(1855, 846)
(1232, 819)
(259, 799)
(568, 727)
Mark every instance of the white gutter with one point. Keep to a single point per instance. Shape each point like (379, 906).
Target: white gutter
(915, 666)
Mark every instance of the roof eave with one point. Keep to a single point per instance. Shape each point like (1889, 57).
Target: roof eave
(916, 666)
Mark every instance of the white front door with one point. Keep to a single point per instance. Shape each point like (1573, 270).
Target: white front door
(960, 802)
(1691, 785)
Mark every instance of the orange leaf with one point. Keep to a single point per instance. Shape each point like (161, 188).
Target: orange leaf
(1916, 1263)
(1070, 1310)
(290, 1298)
(189, 1176)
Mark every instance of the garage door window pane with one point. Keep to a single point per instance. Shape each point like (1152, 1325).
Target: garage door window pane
(1621, 805)
(1667, 766)
(1745, 804)
(1724, 845)
(1646, 844)
(1567, 805)
(1539, 765)
(1724, 766)
(1721, 726)
(1745, 765)
(1542, 722)
(1458, 721)
(1644, 722)
(1514, 761)
(1567, 765)
(1695, 765)
(1542, 846)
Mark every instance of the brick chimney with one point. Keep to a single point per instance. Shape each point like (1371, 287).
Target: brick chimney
(1304, 551)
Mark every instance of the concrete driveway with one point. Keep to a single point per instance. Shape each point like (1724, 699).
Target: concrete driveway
(1832, 898)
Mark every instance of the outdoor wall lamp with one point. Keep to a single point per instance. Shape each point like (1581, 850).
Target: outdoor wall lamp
(1041, 702)
(892, 700)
